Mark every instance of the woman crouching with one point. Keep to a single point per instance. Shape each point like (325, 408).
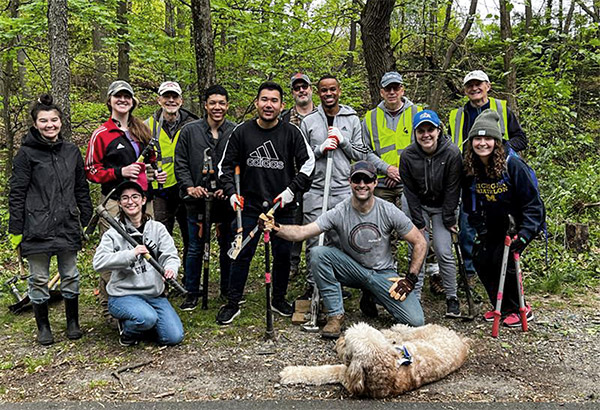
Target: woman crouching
(498, 186)
(136, 290)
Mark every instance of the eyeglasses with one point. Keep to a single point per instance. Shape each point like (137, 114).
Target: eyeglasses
(395, 87)
(127, 198)
(303, 86)
(358, 178)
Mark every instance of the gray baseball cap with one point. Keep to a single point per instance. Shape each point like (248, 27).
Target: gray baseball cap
(299, 77)
(391, 77)
(117, 86)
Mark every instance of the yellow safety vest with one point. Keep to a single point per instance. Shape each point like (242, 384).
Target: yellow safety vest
(385, 142)
(457, 121)
(167, 150)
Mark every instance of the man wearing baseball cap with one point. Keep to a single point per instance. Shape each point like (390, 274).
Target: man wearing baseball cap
(364, 259)
(476, 85)
(165, 125)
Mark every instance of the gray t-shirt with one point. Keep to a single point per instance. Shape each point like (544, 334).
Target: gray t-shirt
(366, 237)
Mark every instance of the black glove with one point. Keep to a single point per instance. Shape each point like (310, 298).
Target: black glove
(518, 244)
(402, 287)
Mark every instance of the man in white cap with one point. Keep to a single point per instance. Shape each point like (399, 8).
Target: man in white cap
(476, 85)
(165, 125)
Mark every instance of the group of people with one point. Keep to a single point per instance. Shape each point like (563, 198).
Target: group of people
(360, 185)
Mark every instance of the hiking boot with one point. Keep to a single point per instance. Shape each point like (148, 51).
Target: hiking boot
(452, 308)
(72, 314)
(514, 319)
(282, 307)
(125, 340)
(190, 303)
(227, 313)
(333, 328)
(367, 304)
(44, 336)
(435, 285)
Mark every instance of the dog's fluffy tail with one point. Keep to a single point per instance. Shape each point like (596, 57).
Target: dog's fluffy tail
(315, 375)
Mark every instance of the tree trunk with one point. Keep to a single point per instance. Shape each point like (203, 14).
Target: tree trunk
(375, 35)
(436, 96)
(6, 75)
(203, 44)
(528, 16)
(548, 13)
(569, 18)
(577, 237)
(60, 71)
(349, 63)
(509, 51)
(169, 19)
(123, 7)
(101, 69)
(22, 69)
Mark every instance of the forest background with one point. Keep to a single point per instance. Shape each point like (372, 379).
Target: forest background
(545, 61)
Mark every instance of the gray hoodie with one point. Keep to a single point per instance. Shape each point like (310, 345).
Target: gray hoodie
(314, 128)
(131, 275)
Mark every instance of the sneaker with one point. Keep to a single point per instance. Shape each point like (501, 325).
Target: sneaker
(488, 316)
(333, 328)
(452, 308)
(190, 303)
(227, 313)
(125, 340)
(436, 286)
(514, 319)
(367, 304)
(282, 307)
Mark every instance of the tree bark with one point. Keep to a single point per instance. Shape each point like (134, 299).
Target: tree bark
(6, 75)
(436, 96)
(375, 35)
(203, 44)
(509, 51)
(60, 70)
(101, 69)
(349, 63)
(123, 7)
(169, 19)
(528, 16)
(21, 68)
(569, 18)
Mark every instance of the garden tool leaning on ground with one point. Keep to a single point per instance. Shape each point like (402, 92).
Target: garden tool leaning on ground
(210, 183)
(464, 280)
(522, 308)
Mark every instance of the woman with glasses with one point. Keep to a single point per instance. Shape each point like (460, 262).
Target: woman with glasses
(49, 200)
(430, 169)
(136, 289)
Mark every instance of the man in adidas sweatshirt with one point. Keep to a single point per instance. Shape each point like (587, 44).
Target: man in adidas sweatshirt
(268, 152)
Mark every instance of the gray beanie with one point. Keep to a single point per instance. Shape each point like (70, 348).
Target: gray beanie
(486, 125)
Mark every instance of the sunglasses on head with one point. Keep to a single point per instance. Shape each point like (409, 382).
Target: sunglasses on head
(356, 179)
(303, 86)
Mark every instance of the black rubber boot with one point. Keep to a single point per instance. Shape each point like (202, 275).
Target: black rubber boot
(41, 319)
(72, 313)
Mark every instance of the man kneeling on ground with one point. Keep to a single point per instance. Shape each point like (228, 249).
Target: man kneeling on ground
(136, 289)
(364, 224)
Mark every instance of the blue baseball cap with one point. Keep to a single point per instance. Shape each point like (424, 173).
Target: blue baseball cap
(426, 116)
(391, 77)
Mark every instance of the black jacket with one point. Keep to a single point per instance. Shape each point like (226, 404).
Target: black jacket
(194, 139)
(432, 180)
(49, 195)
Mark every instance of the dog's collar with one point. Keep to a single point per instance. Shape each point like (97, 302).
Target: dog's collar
(405, 358)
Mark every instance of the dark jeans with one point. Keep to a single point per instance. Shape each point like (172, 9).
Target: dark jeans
(168, 208)
(466, 237)
(487, 257)
(297, 246)
(280, 251)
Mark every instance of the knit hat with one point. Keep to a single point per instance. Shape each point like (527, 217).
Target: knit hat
(487, 124)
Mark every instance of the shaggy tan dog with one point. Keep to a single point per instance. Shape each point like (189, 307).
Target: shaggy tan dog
(375, 364)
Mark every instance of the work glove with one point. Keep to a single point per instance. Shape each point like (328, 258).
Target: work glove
(285, 197)
(402, 287)
(267, 223)
(329, 144)
(15, 240)
(518, 244)
(237, 202)
(334, 132)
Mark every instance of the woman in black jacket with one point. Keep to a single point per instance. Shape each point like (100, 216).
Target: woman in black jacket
(49, 201)
(497, 186)
(430, 169)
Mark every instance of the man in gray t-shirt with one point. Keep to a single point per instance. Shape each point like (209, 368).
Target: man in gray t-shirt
(364, 224)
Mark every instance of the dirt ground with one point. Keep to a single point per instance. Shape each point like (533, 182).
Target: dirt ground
(555, 361)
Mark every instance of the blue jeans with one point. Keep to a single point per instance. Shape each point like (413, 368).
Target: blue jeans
(280, 250)
(139, 314)
(466, 237)
(39, 271)
(333, 268)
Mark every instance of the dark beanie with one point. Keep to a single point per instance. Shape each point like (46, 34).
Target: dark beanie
(486, 125)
